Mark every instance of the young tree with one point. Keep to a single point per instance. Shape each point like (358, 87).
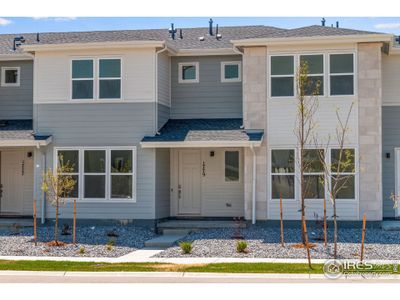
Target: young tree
(342, 163)
(308, 89)
(58, 186)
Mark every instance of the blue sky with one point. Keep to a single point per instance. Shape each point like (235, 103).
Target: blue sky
(23, 25)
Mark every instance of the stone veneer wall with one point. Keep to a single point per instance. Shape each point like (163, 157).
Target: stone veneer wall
(255, 117)
(370, 129)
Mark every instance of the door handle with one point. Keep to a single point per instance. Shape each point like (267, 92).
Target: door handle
(179, 191)
(23, 168)
(1, 190)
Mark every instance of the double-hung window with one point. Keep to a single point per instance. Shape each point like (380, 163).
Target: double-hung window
(109, 78)
(82, 79)
(314, 179)
(104, 174)
(315, 74)
(283, 174)
(341, 74)
(343, 171)
(282, 76)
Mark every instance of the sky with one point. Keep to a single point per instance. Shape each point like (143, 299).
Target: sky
(57, 24)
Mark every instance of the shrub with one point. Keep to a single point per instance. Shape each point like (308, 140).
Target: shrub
(241, 247)
(186, 247)
(110, 245)
(82, 250)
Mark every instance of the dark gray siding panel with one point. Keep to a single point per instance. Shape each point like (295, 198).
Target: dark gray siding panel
(162, 115)
(390, 140)
(17, 102)
(210, 98)
(122, 124)
(162, 183)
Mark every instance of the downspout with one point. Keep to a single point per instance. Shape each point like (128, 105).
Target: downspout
(236, 50)
(43, 217)
(253, 212)
(156, 90)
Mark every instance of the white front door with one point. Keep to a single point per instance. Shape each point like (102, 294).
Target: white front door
(189, 185)
(12, 181)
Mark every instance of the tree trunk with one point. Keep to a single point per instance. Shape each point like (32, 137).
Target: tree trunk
(334, 230)
(56, 225)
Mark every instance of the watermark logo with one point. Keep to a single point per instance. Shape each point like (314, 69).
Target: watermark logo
(333, 269)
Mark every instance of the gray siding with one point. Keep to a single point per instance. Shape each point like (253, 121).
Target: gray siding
(210, 98)
(122, 124)
(163, 114)
(390, 140)
(17, 102)
(162, 204)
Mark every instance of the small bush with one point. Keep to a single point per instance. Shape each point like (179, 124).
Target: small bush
(241, 247)
(82, 250)
(186, 247)
(110, 245)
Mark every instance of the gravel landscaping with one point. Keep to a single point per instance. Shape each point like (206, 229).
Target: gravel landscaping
(265, 242)
(91, 241)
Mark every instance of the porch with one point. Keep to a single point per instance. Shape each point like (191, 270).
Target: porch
(206, 165)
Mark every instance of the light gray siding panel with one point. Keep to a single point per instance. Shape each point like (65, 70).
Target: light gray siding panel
(210, 98)
(162, 203)
(17, 102)
(390, 140)
(163, 115)
(122, 124)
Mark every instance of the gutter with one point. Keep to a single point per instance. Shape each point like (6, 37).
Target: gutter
(254, 186)
(156, 89)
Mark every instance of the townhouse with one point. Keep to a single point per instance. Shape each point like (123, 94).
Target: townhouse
(196, 122)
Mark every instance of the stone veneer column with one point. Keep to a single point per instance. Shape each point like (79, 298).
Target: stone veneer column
(370, 129)
(255, 117)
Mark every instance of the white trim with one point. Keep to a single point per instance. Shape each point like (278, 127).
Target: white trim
(180, 73)
(13, 57)
(200, 144)
(231, 63)
(204, 52)
(3, 76)
(108, 173)
(25, 143)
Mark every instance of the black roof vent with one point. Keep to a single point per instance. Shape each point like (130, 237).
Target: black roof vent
(18, 40)
(172, 31)
(398, 39)
(323, 22)
(210, 27)
(337, 24)
(37, 37)
(180, 34)
(218, 36)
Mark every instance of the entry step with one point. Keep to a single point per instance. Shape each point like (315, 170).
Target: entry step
(391, 225)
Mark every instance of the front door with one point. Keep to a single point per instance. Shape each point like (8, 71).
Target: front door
(189, 186)
(12, 182)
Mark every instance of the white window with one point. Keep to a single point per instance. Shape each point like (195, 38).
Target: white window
(315, 74)
(82, 79)
(10, 76)
(347, 178)
(232, 166)
(283, 174)
(188, 72)
(282, 76)
(341, 74)
(109, 78)
(231, 71)
(102, 174)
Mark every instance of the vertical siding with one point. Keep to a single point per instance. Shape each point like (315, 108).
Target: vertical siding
(17, 102)
(122, 124)
(209, 98)
(390, 140)
(162, 203)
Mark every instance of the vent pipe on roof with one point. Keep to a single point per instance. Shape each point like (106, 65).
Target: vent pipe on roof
(18, 41)
(218, 36)
(180, 34)
(337, 24)
(323, 22)
(37, 37)
(172, 31)
(210, 27)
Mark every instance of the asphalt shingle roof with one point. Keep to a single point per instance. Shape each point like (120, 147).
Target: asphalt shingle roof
(204, 130)
(19, 130)
(190, 36)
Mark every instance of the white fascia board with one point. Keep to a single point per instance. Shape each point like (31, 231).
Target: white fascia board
(97, 45)
(19, 56)
(357, 38)
(25, 143)
(200, 144)
(205, 52)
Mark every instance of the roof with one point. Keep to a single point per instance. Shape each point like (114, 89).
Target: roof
(190, 36)
(17, 131)
(204, 130)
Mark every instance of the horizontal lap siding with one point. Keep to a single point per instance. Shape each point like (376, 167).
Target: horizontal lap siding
(390, 140)
(17, 102)
(121, 124)
(210, 98)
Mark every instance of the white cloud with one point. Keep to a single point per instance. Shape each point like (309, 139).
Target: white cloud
(387, 26)
(4, 22)
(56, 19)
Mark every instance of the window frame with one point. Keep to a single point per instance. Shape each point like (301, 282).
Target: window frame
(180, 72)
(108, 173)
(223, 64)
(355, 173)
(294, 174)
(3, 77)
(108, 78)
(323, 74)
(240, 165)
(329, 74)
(282, 76)
(79, 79)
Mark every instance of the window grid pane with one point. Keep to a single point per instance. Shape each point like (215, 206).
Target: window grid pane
(82, 68)
(342, 84)
(95, 161)
(110, 89)
(231, 71)
(315, 63)
(282, 65)
(11, 76)
(82, 89)
(110, 68)
(231, 165)
(121, 186)
(341, 63)
(189, 72)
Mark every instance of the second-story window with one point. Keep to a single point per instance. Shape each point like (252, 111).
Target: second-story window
(282, 76)
(341, 69)
(188, 72)
(109, 78)
(82, 79)
(230, 71)
(315, 73)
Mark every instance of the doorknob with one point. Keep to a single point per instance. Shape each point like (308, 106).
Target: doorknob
(179, 191)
